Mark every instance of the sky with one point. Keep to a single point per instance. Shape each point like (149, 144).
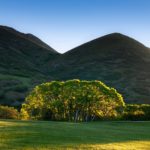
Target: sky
(65, 24)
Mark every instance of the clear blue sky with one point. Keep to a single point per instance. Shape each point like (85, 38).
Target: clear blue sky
(65, 24)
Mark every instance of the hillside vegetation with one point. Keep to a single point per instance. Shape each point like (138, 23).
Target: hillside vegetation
(22, 57)
(115, 59)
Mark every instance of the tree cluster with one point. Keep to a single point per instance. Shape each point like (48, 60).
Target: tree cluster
(73, 100)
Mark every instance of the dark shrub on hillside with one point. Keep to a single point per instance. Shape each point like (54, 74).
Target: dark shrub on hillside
(8, 112)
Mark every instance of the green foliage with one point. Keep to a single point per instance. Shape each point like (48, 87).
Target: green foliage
(137, 112)
(8, 112)
(73, 100)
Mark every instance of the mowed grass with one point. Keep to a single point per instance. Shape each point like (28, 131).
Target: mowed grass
(45, 135)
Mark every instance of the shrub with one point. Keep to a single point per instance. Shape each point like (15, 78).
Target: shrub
(8, 112)
(137, 112)
(24, 115)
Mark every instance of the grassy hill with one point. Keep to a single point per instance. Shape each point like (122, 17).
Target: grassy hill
(117, 60)
(22, 57)
(40, 135)
(22, 54)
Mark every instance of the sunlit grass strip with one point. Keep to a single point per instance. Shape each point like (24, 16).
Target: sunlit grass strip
(40, 135)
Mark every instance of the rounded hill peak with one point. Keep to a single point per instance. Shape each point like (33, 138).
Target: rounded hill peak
(117, 36)
(108, 43)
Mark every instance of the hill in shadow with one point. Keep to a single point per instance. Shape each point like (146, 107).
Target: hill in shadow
(116, 59)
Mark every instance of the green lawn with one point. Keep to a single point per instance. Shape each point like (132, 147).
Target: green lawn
(40, 135)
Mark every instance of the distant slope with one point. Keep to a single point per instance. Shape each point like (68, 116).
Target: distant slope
(116, 59)
(29, 37)
(37, 41)
(22, 52)
(22, 57)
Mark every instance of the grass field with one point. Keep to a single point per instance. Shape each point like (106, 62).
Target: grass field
(40, 135)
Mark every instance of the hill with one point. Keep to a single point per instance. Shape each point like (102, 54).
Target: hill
(22, 57)
(116, 59)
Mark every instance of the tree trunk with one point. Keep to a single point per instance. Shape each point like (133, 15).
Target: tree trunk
(87, 117)
(76, 115)
(93, 117)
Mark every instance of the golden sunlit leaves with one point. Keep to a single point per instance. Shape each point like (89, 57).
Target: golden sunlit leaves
(73, 100)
